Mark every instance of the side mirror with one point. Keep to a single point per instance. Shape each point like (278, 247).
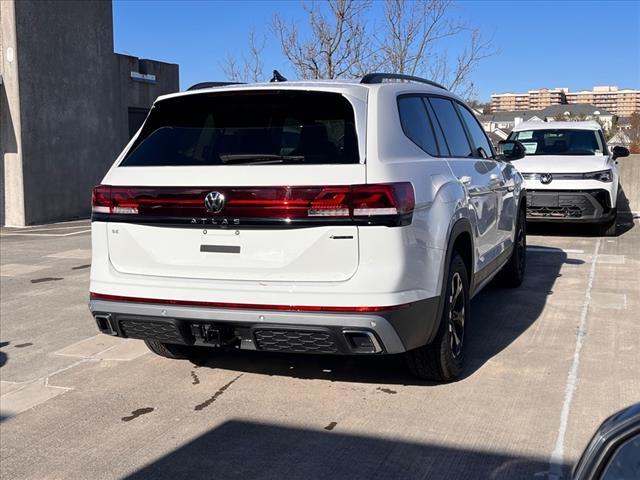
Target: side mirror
(619, 151)
(509, 150)
(614, 449)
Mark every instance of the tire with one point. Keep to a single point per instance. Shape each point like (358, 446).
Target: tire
(610, 228)
(442, 359)
(169, 350)
(512, 274)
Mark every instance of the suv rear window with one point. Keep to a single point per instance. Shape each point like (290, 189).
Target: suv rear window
(248, 127)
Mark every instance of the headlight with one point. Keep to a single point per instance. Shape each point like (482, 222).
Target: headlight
(602, 176)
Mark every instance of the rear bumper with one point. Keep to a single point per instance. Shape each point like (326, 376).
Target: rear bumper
(393, 331)
(582, 206)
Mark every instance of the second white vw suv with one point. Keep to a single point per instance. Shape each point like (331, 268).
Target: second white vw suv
(311, 217)
(569, 173)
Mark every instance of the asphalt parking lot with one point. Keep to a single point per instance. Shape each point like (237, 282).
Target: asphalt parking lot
(546, 363)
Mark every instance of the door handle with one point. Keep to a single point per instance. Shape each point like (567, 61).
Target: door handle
(465, 180)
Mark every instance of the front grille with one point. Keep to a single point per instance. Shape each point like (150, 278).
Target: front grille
(299, 341)
(576, 203)
(571, 205)
(555, 212)
(162, 331)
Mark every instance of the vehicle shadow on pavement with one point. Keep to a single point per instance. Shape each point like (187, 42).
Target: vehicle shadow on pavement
(500, 316)
(387, 369)
(243, 449)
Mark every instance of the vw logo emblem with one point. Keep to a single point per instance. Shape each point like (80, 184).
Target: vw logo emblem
(546, 178)
(214, 202)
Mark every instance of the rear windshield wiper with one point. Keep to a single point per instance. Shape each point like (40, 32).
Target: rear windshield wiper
(263, 159)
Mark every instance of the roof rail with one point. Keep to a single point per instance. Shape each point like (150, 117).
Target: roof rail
(379, 77)
(201, 85)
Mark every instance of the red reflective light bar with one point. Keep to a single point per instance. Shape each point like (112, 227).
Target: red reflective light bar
(287, 203)
(252, 306)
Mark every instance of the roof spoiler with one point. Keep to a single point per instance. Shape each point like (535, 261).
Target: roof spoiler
(380, 77)
(201, 85)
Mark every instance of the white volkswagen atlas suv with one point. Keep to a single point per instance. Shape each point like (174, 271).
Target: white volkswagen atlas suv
(569, 173)
(331, 217)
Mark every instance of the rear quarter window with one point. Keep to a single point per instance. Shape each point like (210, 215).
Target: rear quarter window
(248, 127)
(416, 124)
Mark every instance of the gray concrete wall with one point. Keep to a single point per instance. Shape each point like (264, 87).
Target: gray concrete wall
(74, 95)
(11, 184)
(69, 132)
(136, 93)
(629, 168)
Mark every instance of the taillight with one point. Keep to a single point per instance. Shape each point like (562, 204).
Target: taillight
(101, 199)
(113, 200)
(388, 204)
(382, 199)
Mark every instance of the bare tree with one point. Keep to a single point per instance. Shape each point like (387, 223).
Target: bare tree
(411, 29)
(337, 44)
(250, 67)
(459, 78)
(412, 43)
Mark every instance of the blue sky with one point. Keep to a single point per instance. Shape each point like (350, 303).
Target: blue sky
(575, 44)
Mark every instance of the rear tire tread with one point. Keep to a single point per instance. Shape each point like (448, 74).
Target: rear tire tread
(434, 360)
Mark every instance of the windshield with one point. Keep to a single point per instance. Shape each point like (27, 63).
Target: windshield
(248, 127)
(560, 142)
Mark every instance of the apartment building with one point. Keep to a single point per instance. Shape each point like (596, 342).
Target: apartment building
(545, 97)
(507, 102)
(620, 102)
(532, 100)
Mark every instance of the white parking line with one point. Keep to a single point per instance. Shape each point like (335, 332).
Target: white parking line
(69, 224)
(78, 253)
(28, 234)
(557, 456)
(42, 228)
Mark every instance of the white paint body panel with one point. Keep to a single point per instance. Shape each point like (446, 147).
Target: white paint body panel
(301, 254)
(381, 266)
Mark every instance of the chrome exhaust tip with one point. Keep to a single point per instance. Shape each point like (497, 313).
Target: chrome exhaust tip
(362, 341)
(104, 324)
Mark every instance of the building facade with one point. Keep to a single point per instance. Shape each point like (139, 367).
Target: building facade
(508, 102)
(68, 105)
(532, 100)
(545, 97)
(620, 102)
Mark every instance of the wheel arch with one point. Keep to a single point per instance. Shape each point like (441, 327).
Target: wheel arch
(461, 240)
